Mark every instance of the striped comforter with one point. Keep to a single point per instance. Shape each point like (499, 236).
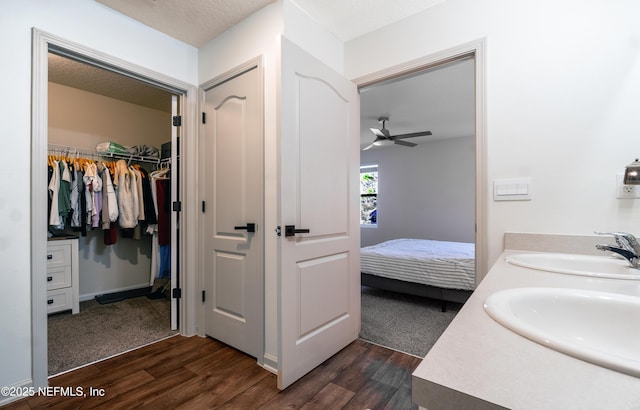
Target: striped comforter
(437, 263)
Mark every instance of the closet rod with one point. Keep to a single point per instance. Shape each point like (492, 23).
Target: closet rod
(68, 150)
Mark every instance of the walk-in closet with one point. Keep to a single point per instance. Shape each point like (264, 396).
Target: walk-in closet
(112, 182)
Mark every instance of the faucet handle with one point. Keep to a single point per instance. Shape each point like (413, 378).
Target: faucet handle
(622, 239)
(629, 255)
(632, 241)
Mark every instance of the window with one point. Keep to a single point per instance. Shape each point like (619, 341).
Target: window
(369, 195)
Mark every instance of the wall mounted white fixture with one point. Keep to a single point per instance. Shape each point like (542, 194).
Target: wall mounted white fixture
(512, 189)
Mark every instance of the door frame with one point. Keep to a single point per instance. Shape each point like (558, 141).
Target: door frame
(477, 49)
(42, 42)
(258, 64)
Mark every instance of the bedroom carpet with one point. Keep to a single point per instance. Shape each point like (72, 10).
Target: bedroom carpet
(406, 323)
(100, 331)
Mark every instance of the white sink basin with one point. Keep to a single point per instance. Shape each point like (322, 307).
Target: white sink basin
(584, 265)
(598, 327)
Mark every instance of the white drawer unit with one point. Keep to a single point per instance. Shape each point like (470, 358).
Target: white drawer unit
(59, 277)
(58, 254)
(59, 300)
(62, 276)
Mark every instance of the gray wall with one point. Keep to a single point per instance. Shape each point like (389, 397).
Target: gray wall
(425, 192)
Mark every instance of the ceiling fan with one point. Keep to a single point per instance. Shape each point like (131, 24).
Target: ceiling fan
(384, 137)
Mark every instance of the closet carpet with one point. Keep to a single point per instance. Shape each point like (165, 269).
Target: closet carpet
(409, 324)
(100, 331)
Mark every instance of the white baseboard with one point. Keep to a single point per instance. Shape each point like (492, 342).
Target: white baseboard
(25, 384)
(270, 363)
(90, 296)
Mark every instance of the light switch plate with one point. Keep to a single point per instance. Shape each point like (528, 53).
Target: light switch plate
(512, 189)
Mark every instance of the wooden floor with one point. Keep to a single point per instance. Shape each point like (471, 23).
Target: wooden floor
(200, 373)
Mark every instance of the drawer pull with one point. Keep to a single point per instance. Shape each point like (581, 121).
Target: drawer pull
(49, 257)
(50, 302)
(49, 278)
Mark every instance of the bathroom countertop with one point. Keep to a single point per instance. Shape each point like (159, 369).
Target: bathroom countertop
(479, 364)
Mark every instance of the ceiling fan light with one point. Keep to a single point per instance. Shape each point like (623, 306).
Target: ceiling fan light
(383, 143)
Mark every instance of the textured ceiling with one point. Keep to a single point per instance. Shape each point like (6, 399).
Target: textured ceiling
(194, 22)
(96, 80)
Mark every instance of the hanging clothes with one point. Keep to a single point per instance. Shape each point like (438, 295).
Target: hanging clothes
(109, 206)
(138, 174)
(119, 199)
(112, 200)
(111, 234)
(74, 197)
(163, 193)
(127, 195)
(79, 220)
(104, 215)
(64, 192)
(164, 226)
(93, 185)
(137, 230)
(93, 194)
(147, 199)
(161, 253)
(49, 193)
(54, 190)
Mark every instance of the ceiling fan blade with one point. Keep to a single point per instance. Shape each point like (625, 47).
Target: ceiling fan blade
(412, 135)
(405, 143)
(378, 133)
(368, 146)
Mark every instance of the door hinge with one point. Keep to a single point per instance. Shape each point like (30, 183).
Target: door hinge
(177, 120)
(204, 117)
(176, 293)
(278, 231)
(177, 206)
(203, 296)
(204, 207)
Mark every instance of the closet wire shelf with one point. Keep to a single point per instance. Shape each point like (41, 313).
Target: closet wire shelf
(86, 152)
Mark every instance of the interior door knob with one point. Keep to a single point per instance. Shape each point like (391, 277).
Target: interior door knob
(251, 227)
(290, 230)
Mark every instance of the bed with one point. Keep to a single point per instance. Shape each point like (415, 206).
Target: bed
(434, 269)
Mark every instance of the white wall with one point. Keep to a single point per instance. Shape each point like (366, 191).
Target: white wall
(305, 32)
(426, 192)
(89, 24)
(563, 96)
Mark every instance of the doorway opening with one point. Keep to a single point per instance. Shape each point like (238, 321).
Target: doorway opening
(61, 138)
(435, 107)
(121, 295)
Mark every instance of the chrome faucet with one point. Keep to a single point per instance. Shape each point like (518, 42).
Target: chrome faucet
(628, 247)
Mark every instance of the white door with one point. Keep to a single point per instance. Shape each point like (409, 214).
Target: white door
(233, 231)
(319, 283)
